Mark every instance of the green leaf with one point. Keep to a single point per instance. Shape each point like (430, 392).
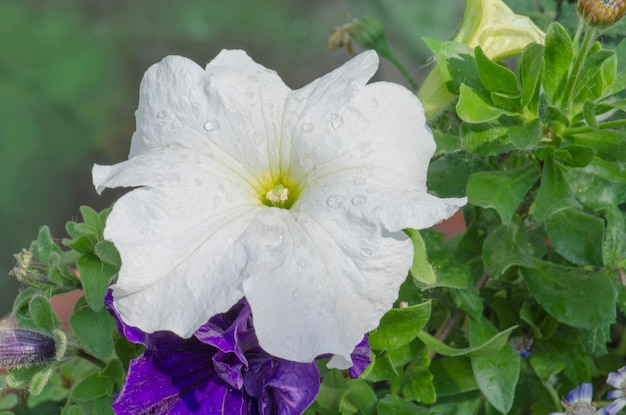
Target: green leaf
(505, 247)
(485, 139)
(474, 107)
(106, 251)
(452, 376)
(92, 387)
(42, 313)
(565, 293)
(589, 113)
(554, 194)
(399, 326)
(496, 374)
(614, 245)
(558, 56)
(421, 270)
(96, 277)
(530, 72)
(577, 236)
(381, 368)
(574, 155)
(487, 348)
(394, 405)
(526, 136)
(72, 410)
(590, 69)
(333, 388)
(8, 401)
(449, 271)
(600, 184)
(456, 62)
(94, 329)
(360, 399)
(501, 190)
(447, 176)
(596, 339)
(417, 382)
(607, 144)
(495, 77)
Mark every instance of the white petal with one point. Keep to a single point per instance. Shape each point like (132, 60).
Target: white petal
(321, 286)
(177, 237)
(232, 111)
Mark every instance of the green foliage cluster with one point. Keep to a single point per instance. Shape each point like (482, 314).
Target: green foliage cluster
(528, 302)
(505, 317)
(92, 363)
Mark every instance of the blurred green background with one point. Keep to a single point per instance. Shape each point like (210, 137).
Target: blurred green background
(70, 73)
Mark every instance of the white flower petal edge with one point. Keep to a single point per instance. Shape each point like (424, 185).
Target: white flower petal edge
(195, 235)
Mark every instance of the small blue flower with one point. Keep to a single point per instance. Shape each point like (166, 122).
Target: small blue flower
(618, 381)
(579, 402)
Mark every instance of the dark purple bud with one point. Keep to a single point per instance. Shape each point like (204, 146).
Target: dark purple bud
(19, 347)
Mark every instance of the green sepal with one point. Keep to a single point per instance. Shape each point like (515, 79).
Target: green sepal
(399, 326)
(565, 293)
(502, 190)
(8, 401)
(40, 380)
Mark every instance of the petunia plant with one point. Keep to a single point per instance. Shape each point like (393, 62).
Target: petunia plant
(274, 250)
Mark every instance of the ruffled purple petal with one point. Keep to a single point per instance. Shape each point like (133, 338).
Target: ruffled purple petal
(361, 358)
(176, 376)
(281, 387)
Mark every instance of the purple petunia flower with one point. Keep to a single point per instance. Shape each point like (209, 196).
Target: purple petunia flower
(221, 369)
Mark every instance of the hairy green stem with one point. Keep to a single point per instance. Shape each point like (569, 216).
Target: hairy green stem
(90, 358)
(579, 60)
(603, 126)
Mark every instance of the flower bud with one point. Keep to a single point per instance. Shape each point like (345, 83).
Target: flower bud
(369, 32)
(30, 270)
(601, 13)
(19, 347)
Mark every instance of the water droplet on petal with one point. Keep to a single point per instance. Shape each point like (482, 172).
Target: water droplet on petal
(366, 252)
(211, 125)
(270, 106)
(229, 198)
(306, 309)
(162, 114)
(359, 181)
(307, 127)
(159, 178)
(358, 200)
(336, 121)
(303, 220)
(253, 78)
(295, 294)
(372, 190)
(301, 95)
(369, 166)
(306, 162)
(303, 263)
(335, 201)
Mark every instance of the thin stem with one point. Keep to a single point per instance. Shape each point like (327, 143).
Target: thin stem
(555, 396)
(603, 126)
(394, 60)
(90, 358)
(449, 325)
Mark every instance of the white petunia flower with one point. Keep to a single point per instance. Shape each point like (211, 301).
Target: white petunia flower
(294, 199)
